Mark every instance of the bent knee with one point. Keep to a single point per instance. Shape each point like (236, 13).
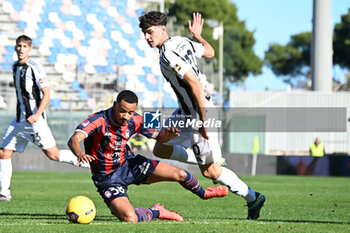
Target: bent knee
(5, 153)
(162, 151)
(52, 153)
(180, 175)
(212, 171)
(52, 156)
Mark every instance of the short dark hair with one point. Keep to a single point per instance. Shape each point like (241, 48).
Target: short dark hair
(25, 39)
(152, 18)
(127, 96)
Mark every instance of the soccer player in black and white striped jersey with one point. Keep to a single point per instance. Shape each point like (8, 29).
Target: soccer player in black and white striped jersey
(179, 67)
(29, 125)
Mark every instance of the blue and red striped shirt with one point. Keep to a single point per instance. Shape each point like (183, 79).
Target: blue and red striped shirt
(106, 140)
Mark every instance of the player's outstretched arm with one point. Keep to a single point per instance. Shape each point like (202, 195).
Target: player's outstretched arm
(167, 134)
(74, 146)
(195, 29)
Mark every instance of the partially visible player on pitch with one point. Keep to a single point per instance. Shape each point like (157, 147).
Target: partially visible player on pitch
(179, 67)
(114, 166)
(29, 125)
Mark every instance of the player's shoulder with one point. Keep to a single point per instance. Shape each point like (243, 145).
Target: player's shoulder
(97, 119)
(137, 118)
(32, 62)
(173, 42)
(176, 45)
(35, 65)
(136, 114)
(98, 116)
(106, 113)
(178, 39)
(14, 64)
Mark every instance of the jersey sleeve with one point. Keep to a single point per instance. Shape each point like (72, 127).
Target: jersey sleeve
(40, 76)
(90, 125)
(181, 56)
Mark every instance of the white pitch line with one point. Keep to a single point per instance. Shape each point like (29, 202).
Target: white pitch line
(112, 222)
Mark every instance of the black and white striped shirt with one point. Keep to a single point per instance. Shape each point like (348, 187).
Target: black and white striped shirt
(29, 78)
(177, 56)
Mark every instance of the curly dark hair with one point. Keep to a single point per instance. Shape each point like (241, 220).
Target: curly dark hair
(152, 18)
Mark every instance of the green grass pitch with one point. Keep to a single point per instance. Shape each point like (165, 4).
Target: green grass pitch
(294, 204)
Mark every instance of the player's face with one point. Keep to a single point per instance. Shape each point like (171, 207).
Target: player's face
(123, 111)
(155, 36)
(23, 49)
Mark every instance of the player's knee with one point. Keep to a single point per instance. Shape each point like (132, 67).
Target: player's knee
(53, 157)
(2, 154)
(181, 175)
(5, 154)
(206, 174)
(52, 153)
(212, 172)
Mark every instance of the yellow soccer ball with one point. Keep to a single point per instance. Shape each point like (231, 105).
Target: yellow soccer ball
(80, 209)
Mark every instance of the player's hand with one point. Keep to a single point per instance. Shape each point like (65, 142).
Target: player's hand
(203, 132)
(84, 158)
(172, 132)
(195, 29)
(168, 134)
(32, 119)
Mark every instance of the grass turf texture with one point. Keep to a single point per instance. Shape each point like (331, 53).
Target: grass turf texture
(294, 204)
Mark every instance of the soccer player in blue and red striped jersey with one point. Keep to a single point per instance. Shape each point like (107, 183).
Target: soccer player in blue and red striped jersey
(114, 166)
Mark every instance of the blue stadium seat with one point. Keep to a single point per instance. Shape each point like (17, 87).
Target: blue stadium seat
(52, 58)
(217, 97)
(68, 34)
(36, 41)
(21, 24)
(6, 66)
(151, 87)
(83, 94)
(122, 78)
(168, 101)
(139, 12)
(155, 103)
(142, 78)
(17, 5)
(147, 69)
(117, 54)
(76, 85)
(56, 103)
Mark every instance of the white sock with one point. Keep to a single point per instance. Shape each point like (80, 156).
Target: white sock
(5, 176)
(236, 185)
(67, 156)
(183, 155)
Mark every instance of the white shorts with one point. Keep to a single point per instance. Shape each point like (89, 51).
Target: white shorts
(206, 151)
(18, 134)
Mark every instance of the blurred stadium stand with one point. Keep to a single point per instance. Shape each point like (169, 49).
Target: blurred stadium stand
(90, 51)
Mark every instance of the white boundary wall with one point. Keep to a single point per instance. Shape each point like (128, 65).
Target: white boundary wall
(297, 143)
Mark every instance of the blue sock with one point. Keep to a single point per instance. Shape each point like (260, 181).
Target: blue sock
(146, 215)
(191, 183)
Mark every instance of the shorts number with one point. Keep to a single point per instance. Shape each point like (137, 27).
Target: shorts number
(36, 139)
(117, 190)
